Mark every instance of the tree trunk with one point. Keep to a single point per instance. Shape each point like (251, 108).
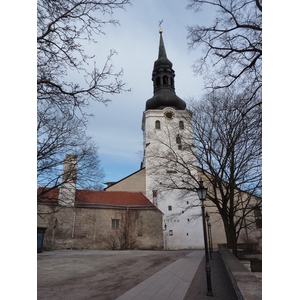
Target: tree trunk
(231, 239)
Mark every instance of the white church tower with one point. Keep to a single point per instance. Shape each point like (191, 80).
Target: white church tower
(171, 172)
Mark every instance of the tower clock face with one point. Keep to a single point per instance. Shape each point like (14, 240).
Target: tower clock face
(169, 115)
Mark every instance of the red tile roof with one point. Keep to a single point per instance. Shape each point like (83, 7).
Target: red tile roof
(47, 194)
(90, 197)
(112, 198)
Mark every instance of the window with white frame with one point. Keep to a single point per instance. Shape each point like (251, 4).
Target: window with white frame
(115, 223)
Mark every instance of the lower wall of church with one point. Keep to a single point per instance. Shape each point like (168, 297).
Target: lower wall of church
(92, 228)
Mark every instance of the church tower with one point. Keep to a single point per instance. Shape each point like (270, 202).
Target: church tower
(168, 159)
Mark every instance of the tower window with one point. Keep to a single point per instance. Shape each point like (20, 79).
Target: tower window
(178, 139)
(157, 81)
(165, 80)
(181, 125)
(170, 207)
(157, 124)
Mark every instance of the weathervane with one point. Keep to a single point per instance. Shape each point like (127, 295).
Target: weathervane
(159, 25)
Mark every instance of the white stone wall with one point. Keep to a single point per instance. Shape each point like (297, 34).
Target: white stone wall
(166, 164)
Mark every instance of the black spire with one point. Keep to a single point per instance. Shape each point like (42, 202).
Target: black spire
(163, 82)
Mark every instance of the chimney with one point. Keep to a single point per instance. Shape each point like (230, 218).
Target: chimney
(67, 190)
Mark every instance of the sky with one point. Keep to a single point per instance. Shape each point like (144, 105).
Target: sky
(116, 128)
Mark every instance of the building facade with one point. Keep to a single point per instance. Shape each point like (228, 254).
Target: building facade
(88, 219)
(169, 175)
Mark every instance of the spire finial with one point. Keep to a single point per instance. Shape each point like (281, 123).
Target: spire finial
(159, 25)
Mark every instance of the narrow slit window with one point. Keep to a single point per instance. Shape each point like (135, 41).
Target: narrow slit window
(181, 125)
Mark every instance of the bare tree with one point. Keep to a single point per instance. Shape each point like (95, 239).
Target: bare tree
(232, 45)
(228, 147)
(62, 29)
(225, 152)
(58, 137)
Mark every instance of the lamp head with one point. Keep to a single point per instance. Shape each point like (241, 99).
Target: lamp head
(201, 190)
(207, 217)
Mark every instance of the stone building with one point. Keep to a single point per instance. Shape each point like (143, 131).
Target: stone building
(99, 220)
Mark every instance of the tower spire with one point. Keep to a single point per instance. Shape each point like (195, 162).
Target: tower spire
(163, 82)
(161, 51)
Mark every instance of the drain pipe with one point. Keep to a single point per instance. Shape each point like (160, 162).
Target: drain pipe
(73, 228)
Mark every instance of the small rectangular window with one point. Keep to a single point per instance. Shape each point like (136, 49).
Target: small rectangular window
(115, 223)
(170, 207)
(258, 217)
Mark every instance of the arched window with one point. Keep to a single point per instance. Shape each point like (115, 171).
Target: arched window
(181, 125)
(165, 79)
(178, 139)
(157, 124)
(157, 81)
(172, 82)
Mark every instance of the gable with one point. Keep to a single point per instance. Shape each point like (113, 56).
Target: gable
(135, 182)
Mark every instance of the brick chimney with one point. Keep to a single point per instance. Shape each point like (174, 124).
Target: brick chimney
(67, 190)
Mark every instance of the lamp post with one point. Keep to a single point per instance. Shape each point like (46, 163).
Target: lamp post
(202, 195)
(211, 243)
(207, 218)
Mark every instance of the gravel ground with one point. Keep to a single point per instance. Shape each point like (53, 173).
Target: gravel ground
(97, 274)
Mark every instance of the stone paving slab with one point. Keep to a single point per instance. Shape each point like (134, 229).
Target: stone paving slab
(171, 282)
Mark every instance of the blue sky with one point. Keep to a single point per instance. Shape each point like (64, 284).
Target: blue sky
(117, 127)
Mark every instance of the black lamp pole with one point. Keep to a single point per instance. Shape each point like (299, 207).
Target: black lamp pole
(207, 218)
(202, 195)
(211, 244)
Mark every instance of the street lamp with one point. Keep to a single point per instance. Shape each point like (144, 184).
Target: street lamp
(202, 195)
(207, 218)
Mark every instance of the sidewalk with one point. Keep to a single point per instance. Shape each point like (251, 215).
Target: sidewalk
(171, 282)
(221, 285)
(185, 279)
